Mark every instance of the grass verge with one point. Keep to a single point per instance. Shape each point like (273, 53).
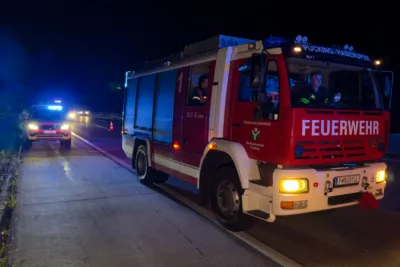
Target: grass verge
(8, 185)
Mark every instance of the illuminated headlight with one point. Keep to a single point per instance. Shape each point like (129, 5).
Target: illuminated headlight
(293, 186)
(64, 127)
(87, 112)
(380, 177)
(32, 126)
(71, 115)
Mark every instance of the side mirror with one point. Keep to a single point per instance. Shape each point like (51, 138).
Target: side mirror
(256, 77)
(385, 80)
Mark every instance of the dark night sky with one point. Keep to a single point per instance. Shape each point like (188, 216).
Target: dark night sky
(79, 48)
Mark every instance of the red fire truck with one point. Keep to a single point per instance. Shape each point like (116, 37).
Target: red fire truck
(228, 115)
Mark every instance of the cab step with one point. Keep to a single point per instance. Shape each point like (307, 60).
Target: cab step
(259, 214)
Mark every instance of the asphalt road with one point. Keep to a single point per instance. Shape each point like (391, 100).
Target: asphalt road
(345, 237)
(79, 208)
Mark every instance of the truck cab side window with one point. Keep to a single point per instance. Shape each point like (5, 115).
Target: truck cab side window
(197, 91)
(272, 86)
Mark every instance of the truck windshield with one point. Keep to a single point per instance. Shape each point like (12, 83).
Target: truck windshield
(321, 84)
(47, 115)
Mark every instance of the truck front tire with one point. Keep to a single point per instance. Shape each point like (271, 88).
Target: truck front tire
(226, 200)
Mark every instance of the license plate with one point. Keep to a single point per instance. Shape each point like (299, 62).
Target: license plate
(49, 132)
(347, 180)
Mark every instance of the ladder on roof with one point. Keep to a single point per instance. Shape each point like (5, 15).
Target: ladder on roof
(202, 47)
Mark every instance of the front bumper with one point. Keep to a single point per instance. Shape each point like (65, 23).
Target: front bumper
(59, 135)
(323, 195)
(319, 197)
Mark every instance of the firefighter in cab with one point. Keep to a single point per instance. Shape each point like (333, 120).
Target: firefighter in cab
(199, 95)
(314, 93)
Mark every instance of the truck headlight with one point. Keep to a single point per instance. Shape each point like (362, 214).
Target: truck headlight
(32, 126)
(72, 115)
(293, 186)
(64, 127)
(380, 177)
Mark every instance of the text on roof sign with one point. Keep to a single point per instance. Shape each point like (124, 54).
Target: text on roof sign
(334, 51)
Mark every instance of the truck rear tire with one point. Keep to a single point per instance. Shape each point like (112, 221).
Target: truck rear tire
(226, 200)
(145, 174)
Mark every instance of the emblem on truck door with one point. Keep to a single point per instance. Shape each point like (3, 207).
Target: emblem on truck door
(255, 133)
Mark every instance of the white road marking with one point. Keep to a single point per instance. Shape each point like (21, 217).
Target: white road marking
(121, 162)
(243, 236)
(100, 126)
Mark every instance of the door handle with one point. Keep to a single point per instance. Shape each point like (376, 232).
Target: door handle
(184, 142)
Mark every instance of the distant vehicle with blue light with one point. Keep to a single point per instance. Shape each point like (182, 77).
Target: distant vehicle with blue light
(47, 123)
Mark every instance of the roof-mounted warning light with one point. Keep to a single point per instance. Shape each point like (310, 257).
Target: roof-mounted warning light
(348, 47)
(57, 101)
(301, 39)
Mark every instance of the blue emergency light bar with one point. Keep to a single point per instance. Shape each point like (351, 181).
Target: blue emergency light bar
(57, 101)
(54, 107)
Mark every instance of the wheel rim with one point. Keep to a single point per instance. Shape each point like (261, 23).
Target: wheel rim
(141, 165)
(228, 199)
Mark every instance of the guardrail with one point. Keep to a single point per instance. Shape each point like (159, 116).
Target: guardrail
(110, 116)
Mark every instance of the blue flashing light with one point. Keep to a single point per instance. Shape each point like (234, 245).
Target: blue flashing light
(55, 107)
(57, 101)
(274, 41)
(225, 41)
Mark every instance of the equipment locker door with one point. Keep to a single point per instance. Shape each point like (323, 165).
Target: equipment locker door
(195, 117)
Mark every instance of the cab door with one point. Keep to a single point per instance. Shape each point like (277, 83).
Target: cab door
(195, 118)
(261, 137)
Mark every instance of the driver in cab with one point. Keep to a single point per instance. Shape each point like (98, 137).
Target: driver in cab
(314, 93)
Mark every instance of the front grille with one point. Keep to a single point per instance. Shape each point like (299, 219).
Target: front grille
(47, 135)
(351, 147)
(344, 199)
(50, 136)
(49, 127)
(330, 149)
